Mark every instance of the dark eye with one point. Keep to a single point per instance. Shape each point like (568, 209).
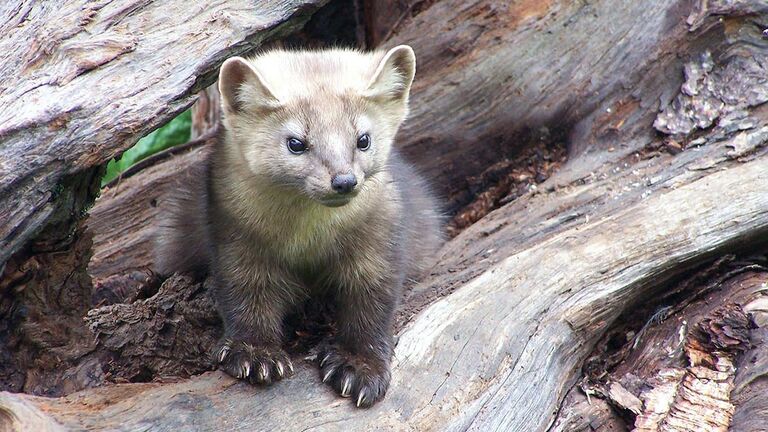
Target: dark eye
(364, 142)
(296, 146)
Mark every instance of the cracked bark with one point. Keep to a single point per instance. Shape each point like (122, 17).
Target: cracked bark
(82, 81)
(550, 273)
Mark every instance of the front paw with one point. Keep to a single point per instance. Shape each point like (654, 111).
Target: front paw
(364, 378)
(257, 364)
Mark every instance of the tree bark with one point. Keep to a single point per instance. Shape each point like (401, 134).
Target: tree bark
(82, 81)
(662, 109)
(514, 335)
(494, 76)
(658, 360)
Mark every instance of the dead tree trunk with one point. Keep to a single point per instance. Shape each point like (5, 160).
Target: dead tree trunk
(494, 75)
(557, 284)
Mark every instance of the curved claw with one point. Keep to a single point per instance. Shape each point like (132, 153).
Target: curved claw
(360, 398)
(325, 359)
(346, 386)
(223, 353)
(328, 374)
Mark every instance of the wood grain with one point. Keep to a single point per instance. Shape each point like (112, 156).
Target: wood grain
(497, 334)
(82, 81)
(501, 350)
(494, 74)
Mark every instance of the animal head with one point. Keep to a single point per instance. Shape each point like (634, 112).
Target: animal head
(320, 122)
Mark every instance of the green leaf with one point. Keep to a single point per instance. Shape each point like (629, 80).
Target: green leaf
(176, 132)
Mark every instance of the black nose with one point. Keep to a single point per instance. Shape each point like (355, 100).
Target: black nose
(343, 183)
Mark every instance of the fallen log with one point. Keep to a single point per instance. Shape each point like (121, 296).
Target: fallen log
(530, 317)
(673, 363)
(498, 333)
(498, 353)
(83, 81)
(80, 82)
(495, 76)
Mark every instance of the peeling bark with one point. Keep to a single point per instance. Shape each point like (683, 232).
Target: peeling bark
(169, 334)
(698, 397)
(534, 286)
(678, 354)
(442, 365)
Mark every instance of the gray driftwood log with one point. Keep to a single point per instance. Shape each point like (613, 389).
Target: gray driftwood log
(663, 112)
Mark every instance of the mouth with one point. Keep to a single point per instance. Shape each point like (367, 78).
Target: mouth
(337, 200)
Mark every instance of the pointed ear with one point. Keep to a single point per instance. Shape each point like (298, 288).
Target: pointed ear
(241, 85)
(394, 75)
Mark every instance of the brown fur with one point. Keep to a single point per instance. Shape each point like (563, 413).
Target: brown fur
(268, 226)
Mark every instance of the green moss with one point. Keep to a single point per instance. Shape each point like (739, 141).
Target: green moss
(176, 132)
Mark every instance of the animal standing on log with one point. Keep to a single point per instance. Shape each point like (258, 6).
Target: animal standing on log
(305, 196)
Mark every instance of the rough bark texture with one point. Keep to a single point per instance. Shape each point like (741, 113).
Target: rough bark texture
(671, 363)
(494, 76)
(751, 385)
(44, 293)
(169, 334)
(662, 109)
(89, 79)
(81, 82)
(535, 315)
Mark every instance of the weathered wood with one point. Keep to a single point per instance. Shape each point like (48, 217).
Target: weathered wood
(82, 81)
(496, 336)
(554, 246)
(668, 360)
(169, 334)
(624, 112)
(493, 76)
(751, 383)
(582, 414)
(382, 18)
(698, 396)
(469, 360)
(20, 415)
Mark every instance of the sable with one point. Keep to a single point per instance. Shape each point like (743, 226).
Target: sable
(304, 196)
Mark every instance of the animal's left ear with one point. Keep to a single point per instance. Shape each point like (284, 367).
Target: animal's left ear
(241, 85)
(394, 75)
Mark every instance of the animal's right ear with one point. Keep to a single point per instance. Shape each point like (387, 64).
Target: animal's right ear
(242, 86)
